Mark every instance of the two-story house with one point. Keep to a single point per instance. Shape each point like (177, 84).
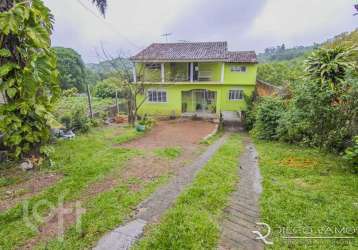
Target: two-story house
(201, 78)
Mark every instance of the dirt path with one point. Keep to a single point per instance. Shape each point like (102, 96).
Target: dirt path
(151, 209)
(243, 213)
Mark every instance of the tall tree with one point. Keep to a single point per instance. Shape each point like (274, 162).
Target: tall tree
(28, 74)
(71, 68)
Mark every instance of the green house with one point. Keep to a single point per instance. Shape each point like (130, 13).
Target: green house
(203, 78)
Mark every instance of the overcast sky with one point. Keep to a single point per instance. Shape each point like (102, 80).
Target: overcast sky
(131, 25)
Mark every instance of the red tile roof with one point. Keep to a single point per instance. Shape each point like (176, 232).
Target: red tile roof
(199, 51)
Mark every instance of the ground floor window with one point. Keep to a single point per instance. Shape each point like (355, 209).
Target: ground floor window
(236, 94)
(157, 95)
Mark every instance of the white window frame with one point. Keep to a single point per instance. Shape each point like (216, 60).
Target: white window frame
(236, 94)
(159, 94)
(239, 69)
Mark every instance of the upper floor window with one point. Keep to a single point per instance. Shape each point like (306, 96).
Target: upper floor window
(238, 69)
(152, 65)
(157, 95)
(236, 94)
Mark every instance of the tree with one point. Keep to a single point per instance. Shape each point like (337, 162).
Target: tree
(28, 75)
(330, 66)
(71, 69)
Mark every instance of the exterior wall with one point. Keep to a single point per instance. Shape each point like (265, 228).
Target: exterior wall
(173, 106)
(241, 78)
(245, 81)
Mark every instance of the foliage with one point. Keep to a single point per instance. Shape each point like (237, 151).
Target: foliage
(268, 113)
(281, 73)
(77, 119)
(324, 105)
(106, 69)
(72, 92)
(193, 221)
(106, 88)
(351, 155)
(28, 75)
(147, 121)
(330, 66)
(67, 104)
(71, 68)
(281, 53)
(305, 189)
(250, 112)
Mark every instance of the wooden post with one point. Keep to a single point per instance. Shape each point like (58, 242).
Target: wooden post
(89, 101)
(117, 107)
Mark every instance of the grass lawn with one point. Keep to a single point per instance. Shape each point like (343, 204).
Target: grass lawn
(307, 193)
(82, 161)
(192, 223)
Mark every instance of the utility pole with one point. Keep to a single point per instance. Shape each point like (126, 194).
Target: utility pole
(166, 35)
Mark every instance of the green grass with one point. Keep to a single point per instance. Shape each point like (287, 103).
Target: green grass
(168, 153)
(192, 223)
(129, 135)
(86, 159)
(305, 189)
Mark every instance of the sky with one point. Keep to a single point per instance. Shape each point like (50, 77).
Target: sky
(131, 25)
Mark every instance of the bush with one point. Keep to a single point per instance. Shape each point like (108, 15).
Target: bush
(106, 89)
(351, 155)
(268, 113)
(70, 92)
(77, 120)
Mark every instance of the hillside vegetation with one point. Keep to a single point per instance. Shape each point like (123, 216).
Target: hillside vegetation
(280, 66)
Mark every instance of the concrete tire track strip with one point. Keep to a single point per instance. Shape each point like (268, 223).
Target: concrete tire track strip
(243, 213)
(152, 208)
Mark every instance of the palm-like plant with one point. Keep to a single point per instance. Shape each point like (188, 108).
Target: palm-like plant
(101, 5)
(329, 66)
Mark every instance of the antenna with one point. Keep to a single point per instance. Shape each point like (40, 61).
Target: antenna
(166, 35)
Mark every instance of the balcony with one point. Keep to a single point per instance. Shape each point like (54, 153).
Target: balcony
(203, 72)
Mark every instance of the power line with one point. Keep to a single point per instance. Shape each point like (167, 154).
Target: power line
(109, 25)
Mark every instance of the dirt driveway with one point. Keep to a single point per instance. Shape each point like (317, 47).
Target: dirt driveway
(182, 133)
(185, 134)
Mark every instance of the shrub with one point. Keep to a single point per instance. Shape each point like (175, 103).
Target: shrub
(106, 89)
(66, 120)
(80, 120)
(70, 92)
(351, 155)
(268, 113)
(77, 120)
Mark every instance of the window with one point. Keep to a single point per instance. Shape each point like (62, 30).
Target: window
(152, 65)
(157, 96)
(235, 94)
(238, 69)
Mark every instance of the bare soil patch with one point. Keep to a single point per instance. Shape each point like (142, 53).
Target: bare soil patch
(183, 133)
(16, 193)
